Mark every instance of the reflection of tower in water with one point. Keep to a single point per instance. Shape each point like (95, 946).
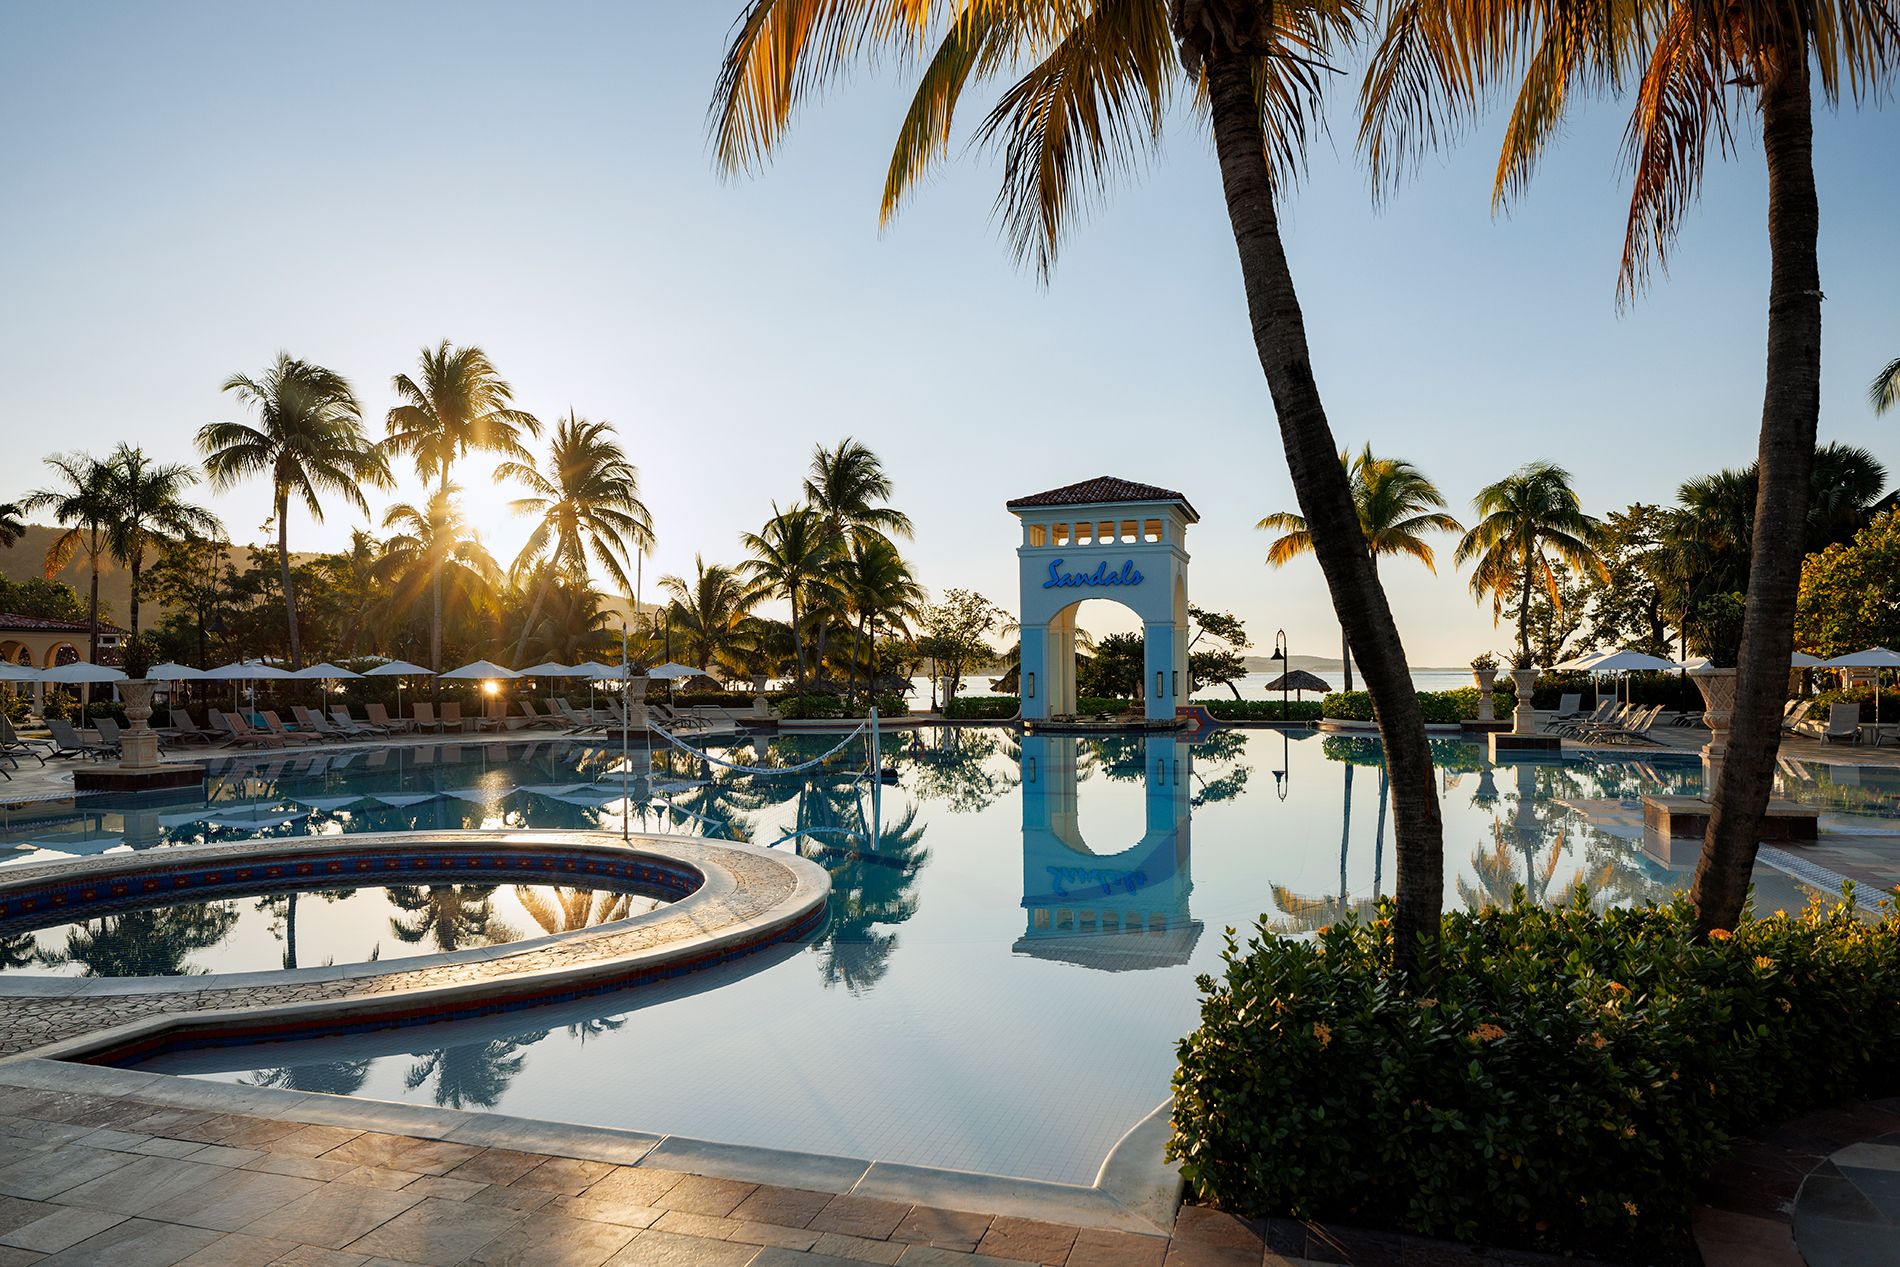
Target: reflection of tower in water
(1113, 911)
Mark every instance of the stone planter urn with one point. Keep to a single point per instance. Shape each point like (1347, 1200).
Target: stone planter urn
(637, 701)
(759, 706)
(1485, 678)
(1524, 719)
(138, 747)
(1718, 705)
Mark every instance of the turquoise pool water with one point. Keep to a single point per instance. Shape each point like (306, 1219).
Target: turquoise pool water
(1016, 924)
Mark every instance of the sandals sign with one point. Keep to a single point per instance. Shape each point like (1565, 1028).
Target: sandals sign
(1058, 579)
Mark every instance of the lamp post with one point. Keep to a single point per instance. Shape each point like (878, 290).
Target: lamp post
(1286, 667)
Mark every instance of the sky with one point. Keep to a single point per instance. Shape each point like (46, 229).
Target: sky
(193, 187)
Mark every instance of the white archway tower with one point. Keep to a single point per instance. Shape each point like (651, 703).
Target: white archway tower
(1103, 538)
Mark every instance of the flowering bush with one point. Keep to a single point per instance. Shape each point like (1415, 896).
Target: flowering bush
(1563, 1080)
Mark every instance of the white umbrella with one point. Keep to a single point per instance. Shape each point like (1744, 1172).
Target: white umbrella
(170, 672)
(399, 668)
(669, 671)
(246, 671)
(80, 672)
(477, 671)
(18, 673)
(325, 672)
(1585, 661)
(1875, 658)
(603, 672)
(1802, 660)
(551, 669)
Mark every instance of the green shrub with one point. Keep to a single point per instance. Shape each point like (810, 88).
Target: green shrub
(1862, 695)
(1261, 709)
(1565, 1081)
(983, 707)
(816, 704)
(1439, 707)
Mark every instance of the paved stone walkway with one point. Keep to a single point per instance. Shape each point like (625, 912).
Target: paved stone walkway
(95, 1179)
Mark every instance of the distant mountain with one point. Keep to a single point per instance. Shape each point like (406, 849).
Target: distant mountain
(1329, 664)
(27, 556)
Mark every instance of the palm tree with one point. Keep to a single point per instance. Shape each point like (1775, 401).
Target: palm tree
(1884, 392)
(308, 439)
(1397, 505)
(1100, 82)
(790, 557)
(847, 485)
(586, 503)
(12, 527)
(1524, 519)
(82, 504)
(452, 916)
(709, 611)
(151, 510)
(432, 550)
(457, 405)
(876, 587)
(1440, 58)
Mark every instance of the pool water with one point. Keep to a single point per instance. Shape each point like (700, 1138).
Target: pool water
(1016, 923)
(307, 929)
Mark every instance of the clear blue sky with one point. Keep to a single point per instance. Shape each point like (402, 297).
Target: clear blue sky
(191, 187)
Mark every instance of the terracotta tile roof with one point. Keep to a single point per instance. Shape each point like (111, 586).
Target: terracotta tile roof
(40, 624)
(1104, 490)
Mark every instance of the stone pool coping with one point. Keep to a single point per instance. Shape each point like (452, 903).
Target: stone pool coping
(748, 898)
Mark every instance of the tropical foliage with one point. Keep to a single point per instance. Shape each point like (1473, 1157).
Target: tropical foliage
(1531, 526)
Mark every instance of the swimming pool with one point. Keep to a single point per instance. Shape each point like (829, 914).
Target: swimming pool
(1017, 923)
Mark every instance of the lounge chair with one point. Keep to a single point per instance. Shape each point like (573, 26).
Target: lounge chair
(276, 726)
(452, 718)
(1796, 714)
(67, 742)
(1843, 724)
(1601, 715)
(426, 718)
(12, 747)
(343, 723)
(576, 720)
(184, 730)
(533, 717)
(309, 719)
(109, 734)
(1635, 731)
(239, 731)
(1569, 706)
(379, 719)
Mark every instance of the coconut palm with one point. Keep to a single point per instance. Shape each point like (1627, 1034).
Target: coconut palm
(876, 587)
(458, 404)
(432, 551)
(82, 504)
(708, 612)
(791, 557)
(1693, 63)
(473, 1074)
(586, 504)
(308, 439)
(1397, 505)
(151, 509)
(848, 486)
(1099, 85)
(1530, 524)
(453, 916)
(1884, 392)
(12, 527)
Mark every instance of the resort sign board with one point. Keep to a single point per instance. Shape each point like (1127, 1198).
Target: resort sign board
(1058, 579)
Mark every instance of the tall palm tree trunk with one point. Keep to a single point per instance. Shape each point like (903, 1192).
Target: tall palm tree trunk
(534, 614)
(1790, 412)
(92, 610)
(1325, 498)
(1345, 658)
(1524, 606)
(435, 600)
(283, 569)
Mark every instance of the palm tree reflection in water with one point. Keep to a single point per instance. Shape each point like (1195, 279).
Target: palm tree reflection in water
(149, 943)
(454, 916)
(472, 1074)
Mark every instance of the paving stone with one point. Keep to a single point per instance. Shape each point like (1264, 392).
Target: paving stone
(11, 1257)
(168, 1121)
(567, 1175)
(699, 1194)
(669, 1249)
(140, 1185)
(859, 1248)
(48, 1174)
(553, 1240)
(1032, 1241)
(257, 1132)
(625, 1211)
(708, 1225)
(333, 1215)
(937, 1256)
(162, 1147)
(225, 1155)
(401, 1152)
(233, 1201)
(523, 1199)
(59, 1228)
(118, 1141)
(311, 1141)
(238, 1249)
(754, 1233)
(316, 1256)
(498, 1165)
(436, 1233)
(445, 1188)
(135, 1243)
(946, 1229)
(302, 1167)
(790, 1207)
(1100, 1247)
(378, 1177)
(775, 1257)
(18, 1212)
(635, 1185)
(867, 1217)
(1205, 1237)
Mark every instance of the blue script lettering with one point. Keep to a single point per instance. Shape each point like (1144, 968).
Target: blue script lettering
(1058, 579)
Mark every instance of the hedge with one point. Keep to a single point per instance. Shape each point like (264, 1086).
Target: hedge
(983, 707)
(1862, 695)
(823, 704)
(1261, 709)
(1438, 706)
(1563, 1082)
